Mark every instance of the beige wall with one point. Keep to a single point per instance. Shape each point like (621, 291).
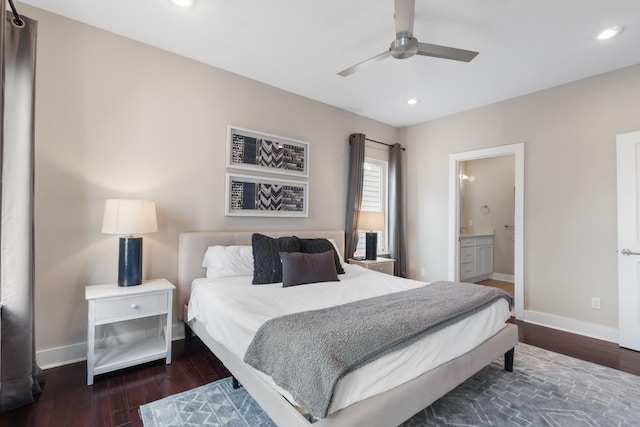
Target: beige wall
(491, 183)
(570, 190)
(117, 118)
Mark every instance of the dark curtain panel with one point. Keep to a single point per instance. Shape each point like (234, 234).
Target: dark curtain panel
(20, 377)
(397, 240)
(354, 193)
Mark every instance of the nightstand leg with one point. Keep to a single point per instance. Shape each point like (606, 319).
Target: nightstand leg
(167, 332)
(91, 343)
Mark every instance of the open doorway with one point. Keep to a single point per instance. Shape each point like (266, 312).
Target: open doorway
(460, 226)
(487, 210)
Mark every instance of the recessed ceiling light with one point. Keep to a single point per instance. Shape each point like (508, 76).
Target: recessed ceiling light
(412, 101)
(183, 3)
(609, 33)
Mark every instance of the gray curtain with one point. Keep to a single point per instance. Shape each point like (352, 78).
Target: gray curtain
(19, 375)
(397, 240)
(354, 193)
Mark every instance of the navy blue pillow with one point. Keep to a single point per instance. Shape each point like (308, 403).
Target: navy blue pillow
(267, 267)
(316, 246)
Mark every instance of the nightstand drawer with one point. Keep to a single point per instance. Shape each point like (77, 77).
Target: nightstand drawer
(131, 306)
(382, 267)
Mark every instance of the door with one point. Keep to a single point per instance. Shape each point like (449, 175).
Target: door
(628, 152)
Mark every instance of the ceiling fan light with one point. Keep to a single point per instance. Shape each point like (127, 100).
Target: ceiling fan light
(609, 33)
(183, 3)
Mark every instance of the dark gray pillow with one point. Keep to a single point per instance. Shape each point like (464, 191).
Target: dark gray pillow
(299, 268)
(267, 267)
(314, 246)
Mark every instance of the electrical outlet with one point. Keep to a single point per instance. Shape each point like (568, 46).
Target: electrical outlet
(595, 303)
(470, 223)
(422, 272)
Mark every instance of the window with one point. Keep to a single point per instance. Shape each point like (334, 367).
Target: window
(374, 198)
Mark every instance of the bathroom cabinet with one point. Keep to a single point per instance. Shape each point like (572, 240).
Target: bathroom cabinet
(476, 258)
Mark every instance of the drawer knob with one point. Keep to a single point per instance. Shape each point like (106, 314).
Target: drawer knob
(134, 306)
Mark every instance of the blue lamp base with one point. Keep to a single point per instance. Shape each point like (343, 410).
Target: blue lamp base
(371, 240)
(130, 261)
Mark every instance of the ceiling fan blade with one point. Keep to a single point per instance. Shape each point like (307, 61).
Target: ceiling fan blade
(404, 12)
(366, 63)
(445, 52)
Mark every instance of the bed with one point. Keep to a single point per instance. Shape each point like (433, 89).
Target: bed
(386, 408)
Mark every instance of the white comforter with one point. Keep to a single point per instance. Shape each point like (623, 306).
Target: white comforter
(232, 310)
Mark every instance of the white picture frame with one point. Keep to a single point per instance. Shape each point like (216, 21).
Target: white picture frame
(262, 152)
(253, 195)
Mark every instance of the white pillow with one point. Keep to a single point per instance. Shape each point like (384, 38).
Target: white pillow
(228, 261)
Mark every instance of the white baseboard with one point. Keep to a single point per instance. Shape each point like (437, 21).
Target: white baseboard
(59, 356)
(579, 327)
(503, 277)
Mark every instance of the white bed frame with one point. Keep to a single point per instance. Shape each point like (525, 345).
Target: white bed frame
(385, 409)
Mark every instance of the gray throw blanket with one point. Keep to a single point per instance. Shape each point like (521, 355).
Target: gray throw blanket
(307, 353)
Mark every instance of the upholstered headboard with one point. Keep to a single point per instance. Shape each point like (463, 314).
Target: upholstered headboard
(193, 245)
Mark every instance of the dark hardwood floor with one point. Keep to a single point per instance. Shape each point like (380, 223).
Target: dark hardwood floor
(114, 398)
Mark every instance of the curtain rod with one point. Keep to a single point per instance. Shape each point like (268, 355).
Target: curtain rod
(16, 17)
(383, 143)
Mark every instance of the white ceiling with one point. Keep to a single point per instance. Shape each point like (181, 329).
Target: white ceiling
(300, 45)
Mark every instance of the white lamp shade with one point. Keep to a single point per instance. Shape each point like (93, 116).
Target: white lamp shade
(372, 221)
(129, 217)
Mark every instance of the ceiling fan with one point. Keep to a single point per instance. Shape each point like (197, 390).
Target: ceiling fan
(405, 45)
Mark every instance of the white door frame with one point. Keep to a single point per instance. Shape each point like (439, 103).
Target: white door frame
(454, 213)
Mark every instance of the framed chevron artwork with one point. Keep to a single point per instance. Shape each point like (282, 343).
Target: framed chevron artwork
(265, 196)
(251, 150)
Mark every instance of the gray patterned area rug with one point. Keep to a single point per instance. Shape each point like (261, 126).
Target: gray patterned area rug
(545, 389)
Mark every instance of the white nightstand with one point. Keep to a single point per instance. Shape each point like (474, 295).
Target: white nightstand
(383, 265)
(113, 303)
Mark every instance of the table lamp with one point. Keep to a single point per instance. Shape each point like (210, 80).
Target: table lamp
(373, 222)
(129, 217)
